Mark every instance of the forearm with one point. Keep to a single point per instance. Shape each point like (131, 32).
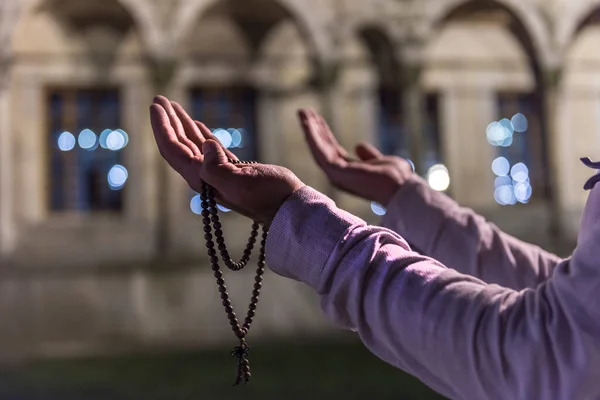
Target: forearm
(438, 227)
(459, 335)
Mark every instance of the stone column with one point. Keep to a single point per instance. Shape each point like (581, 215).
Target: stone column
(413, 110)
(549, 85)
(466, 113)
(162, 72)
(7, 227)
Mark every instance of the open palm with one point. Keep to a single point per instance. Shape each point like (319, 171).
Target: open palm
(373, 177)
(256, 191)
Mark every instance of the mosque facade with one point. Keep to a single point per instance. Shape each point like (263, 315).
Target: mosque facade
(494, 102)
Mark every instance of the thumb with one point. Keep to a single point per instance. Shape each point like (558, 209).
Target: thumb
(367, 152)
(213, 153)
(215, 160)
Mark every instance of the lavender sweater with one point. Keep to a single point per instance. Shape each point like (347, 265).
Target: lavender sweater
(536, 337)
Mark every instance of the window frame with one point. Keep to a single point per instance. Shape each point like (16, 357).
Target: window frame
(73, 90)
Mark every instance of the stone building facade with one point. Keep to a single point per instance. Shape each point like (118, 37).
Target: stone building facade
(84, 268)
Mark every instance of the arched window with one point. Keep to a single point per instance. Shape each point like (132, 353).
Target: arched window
(85, 143)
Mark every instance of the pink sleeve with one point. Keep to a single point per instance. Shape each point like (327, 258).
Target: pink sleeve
(437, 226)
(462, 337)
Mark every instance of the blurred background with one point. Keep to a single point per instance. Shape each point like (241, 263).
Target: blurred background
(105, 288)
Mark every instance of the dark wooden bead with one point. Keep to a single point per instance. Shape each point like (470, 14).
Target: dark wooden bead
(252, 306)
(220, 281)
(256, 292)
(214, 260)
(212, 252)
(220, 240)
(257, 285)
(207, 229)
(223, 289)
(217, 225)
(224, 294)
(206, 214)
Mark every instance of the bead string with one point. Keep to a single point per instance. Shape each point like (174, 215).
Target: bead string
(210, 215)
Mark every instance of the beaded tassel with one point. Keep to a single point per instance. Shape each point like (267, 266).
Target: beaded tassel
(212, 223)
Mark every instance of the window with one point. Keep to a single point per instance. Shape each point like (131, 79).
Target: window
(394, 137)
(86, 172)
(519, 142)
(231, 114)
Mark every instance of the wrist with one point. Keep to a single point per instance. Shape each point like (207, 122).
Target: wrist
(268, 217)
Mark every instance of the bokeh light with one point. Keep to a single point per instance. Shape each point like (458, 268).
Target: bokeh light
(103, 137)
(224, 137)
(520, 122)
(115, 141)
(523, 192)
(505, 195)
(196, 204)
(87, 139)
(222, 208)
(125, 136)
(501, 166)
(500, 133)
(438, 177)
(502, 181)
(378, 209)
(117, 176)
(66, 141)
(236, 137)
(520, 172)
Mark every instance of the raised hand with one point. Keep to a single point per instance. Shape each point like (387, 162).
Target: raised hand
(256, 191)
(374, 177)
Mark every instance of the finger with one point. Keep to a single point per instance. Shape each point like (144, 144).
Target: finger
(176, 154)
(322, 152)
(367, 152)
(216, 167)
(176, 124)
(329, 137)
(189, 127)
(208, 135)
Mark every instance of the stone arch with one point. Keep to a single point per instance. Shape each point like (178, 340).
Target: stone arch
(572, 16)
(524, 11)
(147, 23)
(140, 14)
(312, 24)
